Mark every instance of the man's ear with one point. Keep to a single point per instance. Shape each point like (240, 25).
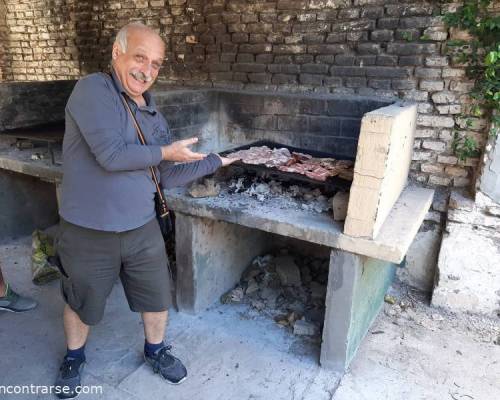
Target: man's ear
(116, 51)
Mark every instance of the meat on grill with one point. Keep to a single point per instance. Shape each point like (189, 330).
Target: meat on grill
(315, 168)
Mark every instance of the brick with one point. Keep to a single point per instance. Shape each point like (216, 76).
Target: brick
(380, 83)
(405, 10)
(436, 121)
(289, 49)
(355, 82)
(291, 4)
(407, 34)
(444, 159)
(327, 48)
(284, 78)
(382, 35)
(355, 25)
(315, 68)
(388, 23)
(260, 77)
(427, 72)
(443, 97)
(239, 37)
(455, 171)
(437, 34)
(431, 86)
(387, 60)
(313, 38)
(410, 60)
(249, 67)
(422, 156)
(372, 12)
(439, 180)
(462, 87)
(387, 72)
(453, 72)
(336, 38)
(436, 61)
(256, 48)
(451, 109)
(264, 58)
(418, 22)
(433, 145)
(415, 95)
(432, 168)
(347, 71)
(425, 108)
(403, 84)
(311, 27)
(425, 133)
(412, 48)
(284, 68)
(310, 79)
(348, 13)
(369, 48)
(344, 59)
(287, 123)
(245, 58)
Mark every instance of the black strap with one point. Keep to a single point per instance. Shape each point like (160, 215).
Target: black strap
(162, 202)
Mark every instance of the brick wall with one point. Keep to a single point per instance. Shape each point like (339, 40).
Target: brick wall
(379, 48)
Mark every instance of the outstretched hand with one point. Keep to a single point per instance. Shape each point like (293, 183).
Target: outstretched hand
(227, 160)
(179, 151)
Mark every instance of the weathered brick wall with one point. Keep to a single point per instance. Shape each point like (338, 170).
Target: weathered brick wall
(384, 48)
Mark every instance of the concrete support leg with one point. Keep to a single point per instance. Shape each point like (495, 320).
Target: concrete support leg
(355, 294)
(211, 256)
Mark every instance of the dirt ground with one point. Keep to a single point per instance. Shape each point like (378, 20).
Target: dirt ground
(413, 351)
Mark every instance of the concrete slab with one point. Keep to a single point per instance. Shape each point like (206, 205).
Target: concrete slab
(468, 275)
(391, 244)
(410, 355)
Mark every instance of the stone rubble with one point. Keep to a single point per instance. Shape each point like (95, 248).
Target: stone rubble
(288, 288)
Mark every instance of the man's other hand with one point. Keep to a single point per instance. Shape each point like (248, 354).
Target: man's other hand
(180, 152)
(227, 160)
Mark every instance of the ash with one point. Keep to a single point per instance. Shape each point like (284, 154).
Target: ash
(274, 194)
(286, 287)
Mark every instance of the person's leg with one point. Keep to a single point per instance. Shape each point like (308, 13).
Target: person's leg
(3, 287)
(90, 264)
(11, 301)
(154, 326)
(75, 330)
(146, 280)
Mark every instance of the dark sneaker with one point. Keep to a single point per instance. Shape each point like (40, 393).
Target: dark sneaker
(68, 382)
(168, 366)
(14, 302)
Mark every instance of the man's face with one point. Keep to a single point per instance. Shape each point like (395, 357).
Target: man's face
(138, 67)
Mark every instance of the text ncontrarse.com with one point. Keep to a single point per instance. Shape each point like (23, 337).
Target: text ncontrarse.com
(47, 389)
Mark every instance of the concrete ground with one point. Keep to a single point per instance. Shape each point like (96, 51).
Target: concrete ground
(412, 351)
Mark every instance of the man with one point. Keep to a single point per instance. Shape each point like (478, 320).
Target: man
(108, 227)
(11, 301)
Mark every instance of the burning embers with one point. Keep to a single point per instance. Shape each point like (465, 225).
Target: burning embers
(281, 158)
(289, 288)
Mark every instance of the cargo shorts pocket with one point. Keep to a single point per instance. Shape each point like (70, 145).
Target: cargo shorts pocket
(69, 293)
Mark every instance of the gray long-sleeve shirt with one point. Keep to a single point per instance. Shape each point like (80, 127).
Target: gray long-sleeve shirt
(107, 184)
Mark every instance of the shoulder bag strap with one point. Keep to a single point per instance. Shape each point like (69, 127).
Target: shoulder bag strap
(162, 202)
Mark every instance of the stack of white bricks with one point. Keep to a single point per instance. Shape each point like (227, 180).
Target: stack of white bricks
(382, 164)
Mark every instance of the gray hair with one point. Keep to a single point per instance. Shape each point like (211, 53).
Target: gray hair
(121, 36)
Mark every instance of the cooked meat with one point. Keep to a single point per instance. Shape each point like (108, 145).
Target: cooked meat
(315, 168)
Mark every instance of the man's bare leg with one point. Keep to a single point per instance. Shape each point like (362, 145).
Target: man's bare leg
(3, 287)
(154, 325)
(75, 330)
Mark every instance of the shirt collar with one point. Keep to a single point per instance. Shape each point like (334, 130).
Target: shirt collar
(150, 103)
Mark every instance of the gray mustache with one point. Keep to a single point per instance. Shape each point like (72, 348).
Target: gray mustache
(141, 76)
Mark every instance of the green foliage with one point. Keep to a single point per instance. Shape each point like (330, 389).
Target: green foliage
(481, 55)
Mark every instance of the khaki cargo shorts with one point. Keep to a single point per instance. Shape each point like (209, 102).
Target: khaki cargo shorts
(93, 260)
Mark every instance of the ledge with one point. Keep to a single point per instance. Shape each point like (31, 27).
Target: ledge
(391, 244)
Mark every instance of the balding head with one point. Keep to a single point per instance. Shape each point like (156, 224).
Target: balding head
(138, 53)
(131, 28)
